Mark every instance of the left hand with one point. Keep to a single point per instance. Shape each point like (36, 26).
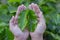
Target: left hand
(14, 28)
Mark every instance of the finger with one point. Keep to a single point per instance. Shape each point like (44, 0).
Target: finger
(41, 26)
(39, 13)
(36, 8)
(12, 19)
(16, 20)
(11, 23)
(20, 8)
(41, 21)
(31, 6)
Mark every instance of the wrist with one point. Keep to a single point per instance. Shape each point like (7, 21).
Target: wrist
(19, 38)
(37, 37)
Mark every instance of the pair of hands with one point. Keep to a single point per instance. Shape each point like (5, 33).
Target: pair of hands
(41, 26)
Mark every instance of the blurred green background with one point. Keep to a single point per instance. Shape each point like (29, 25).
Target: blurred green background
(50, 9)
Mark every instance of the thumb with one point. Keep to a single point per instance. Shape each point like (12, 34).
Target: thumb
(32, 34)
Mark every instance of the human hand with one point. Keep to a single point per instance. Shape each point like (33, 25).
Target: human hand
(14, 28)
(41, 26)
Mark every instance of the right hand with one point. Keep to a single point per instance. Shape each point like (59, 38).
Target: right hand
(41, 26)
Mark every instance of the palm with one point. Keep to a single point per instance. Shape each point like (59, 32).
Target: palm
(41, 26)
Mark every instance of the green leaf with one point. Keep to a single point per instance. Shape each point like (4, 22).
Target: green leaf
(9, 35)
(32, 20)
(2, 24)
(56, 36)
(12, 1)
(3, 9)
(4, 18)
(28, 19)
(23, 19)
(12, 9)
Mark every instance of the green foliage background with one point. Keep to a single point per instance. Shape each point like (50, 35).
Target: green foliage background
(51, 11)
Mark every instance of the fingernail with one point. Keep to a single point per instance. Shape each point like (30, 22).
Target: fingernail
(32, 3)
(12, 16)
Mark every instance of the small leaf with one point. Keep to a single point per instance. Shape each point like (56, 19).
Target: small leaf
(12, 9)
